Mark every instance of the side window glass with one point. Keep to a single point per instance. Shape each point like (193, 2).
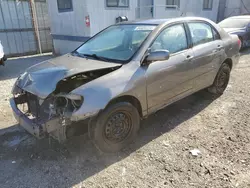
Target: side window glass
(201, 33)
(172, 39)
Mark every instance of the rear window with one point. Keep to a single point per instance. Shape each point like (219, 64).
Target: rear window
(234, 23)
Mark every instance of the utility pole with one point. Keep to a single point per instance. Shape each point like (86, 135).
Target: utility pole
(35, 24)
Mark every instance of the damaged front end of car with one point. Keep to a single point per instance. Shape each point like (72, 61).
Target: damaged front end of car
(43, 114)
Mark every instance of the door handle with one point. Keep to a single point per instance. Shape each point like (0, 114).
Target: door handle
(219, 47)
(189, 57)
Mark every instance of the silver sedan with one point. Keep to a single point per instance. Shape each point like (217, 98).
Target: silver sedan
(120, 76)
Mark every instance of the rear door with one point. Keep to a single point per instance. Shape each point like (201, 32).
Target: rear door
(208, 51)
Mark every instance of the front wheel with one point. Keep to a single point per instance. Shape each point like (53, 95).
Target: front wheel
(221, 80)
(115, 127)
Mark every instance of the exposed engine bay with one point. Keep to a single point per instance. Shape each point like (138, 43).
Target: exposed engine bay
(52, 115)
(68, 84)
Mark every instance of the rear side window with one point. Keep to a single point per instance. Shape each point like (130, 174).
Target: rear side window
(201, 33)
(172, 39)
(216, 34)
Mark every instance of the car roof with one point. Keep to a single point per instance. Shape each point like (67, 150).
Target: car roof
(150, 21)
(162, 21)
(240, 17)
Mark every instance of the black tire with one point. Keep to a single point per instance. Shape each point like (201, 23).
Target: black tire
(120, 116)
(221, 80)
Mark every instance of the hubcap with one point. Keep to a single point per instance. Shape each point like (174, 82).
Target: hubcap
(117, 127)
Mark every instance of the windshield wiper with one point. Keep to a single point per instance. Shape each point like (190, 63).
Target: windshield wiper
(76, 53)
(96, 57)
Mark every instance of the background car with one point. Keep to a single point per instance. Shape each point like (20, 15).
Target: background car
(239, 25)
(2, 55)
(121, 75)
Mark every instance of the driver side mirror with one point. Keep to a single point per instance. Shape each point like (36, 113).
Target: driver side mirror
(159, 55)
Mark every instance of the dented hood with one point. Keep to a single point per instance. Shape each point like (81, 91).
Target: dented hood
(41, 79)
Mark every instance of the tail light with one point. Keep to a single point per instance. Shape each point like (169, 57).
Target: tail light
(239, 43)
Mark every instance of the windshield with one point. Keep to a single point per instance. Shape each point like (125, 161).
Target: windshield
(234, 23)
(117, 43)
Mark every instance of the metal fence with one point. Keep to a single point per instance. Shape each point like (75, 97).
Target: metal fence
(24, 27)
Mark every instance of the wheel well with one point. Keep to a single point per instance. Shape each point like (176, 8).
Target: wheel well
(229, 62)
(131, 99)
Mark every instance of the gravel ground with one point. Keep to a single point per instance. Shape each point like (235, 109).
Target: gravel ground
(160, 157)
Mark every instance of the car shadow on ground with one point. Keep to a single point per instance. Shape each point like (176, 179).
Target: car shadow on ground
(244, 52)
(80, 156)
(15, 66)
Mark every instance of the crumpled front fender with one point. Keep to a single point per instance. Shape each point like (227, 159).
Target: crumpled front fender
(95, 100)
(127, 81)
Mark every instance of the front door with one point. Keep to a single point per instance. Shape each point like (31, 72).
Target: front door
(170, 79)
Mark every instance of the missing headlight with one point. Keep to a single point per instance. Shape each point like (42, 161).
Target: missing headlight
(67, 103)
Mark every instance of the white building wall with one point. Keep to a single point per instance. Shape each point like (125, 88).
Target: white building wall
(68, 23)
(102, 16)
(144, 9)
(65, 25)
(247, 9)
(233, 8)
(236, 7)
(68, 27)
(187, 8)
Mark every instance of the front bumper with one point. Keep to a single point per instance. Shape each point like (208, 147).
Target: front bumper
(30, 125)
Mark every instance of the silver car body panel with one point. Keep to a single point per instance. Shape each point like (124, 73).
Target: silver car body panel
(154, 86)
(161, 83)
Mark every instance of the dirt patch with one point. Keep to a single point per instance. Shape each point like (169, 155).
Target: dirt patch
(160, 157)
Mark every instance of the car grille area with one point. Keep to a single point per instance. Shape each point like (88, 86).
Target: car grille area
(33, 105)
(28, 104)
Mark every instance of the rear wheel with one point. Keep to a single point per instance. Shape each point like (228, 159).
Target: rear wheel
(221, 80)
(115, 127)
